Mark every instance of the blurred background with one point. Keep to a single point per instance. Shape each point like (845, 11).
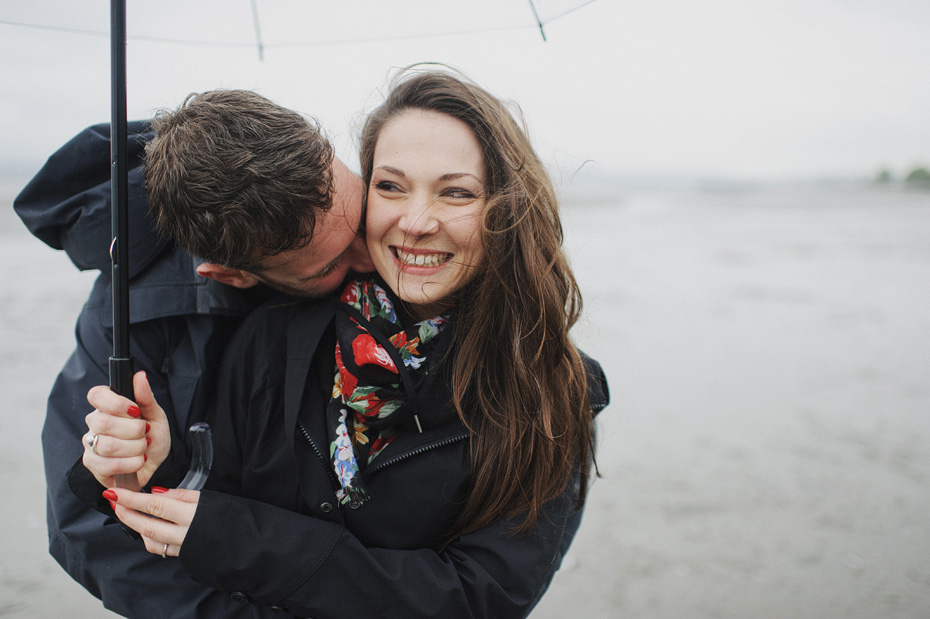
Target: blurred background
(746, 209)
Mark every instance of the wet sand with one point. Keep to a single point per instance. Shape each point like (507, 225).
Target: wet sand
(765, 454)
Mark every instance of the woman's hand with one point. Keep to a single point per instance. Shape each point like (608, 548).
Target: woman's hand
(125, 437)
(161, 518)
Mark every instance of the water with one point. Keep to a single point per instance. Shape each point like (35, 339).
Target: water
(765, 452)
(769, 354)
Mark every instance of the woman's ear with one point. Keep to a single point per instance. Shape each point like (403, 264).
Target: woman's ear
(236, 278)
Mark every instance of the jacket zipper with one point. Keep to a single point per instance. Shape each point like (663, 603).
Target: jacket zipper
(415, 452)
(319, 454)
(369, 471)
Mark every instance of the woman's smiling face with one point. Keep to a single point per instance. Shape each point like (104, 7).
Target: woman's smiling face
(425, 205)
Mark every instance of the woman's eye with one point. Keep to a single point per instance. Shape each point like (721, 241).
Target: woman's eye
(459, 194)
(386, 186)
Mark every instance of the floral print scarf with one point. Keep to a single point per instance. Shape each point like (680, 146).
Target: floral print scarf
(378, 366)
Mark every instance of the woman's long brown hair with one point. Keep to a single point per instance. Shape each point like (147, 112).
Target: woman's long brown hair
(518, 381)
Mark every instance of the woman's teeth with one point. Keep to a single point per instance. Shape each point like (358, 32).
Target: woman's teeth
(422, 260)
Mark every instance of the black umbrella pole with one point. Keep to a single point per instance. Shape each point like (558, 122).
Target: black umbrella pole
(121, 367)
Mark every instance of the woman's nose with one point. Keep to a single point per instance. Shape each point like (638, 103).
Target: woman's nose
(420, 218)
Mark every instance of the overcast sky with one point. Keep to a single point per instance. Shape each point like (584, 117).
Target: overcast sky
(760, 89)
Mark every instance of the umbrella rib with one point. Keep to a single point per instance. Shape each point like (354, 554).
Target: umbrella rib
(232, 44)
(538, 21)
(96, 33)
(258, 32)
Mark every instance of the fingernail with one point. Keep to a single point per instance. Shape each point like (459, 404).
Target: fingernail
(112, 505)
(145, 457)
(110, 495)
(134, 411)
(148, 427)
(148, 441)
(159, 490)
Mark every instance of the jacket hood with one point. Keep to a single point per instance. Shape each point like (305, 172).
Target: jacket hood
(67, 204)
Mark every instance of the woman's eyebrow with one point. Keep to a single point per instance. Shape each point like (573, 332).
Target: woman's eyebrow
(391, 170)
(451, 176)
(455, 175)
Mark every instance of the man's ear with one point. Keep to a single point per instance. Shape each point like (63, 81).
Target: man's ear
(231, 277)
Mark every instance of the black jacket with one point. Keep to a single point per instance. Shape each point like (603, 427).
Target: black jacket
(180, 321)
(264, 534)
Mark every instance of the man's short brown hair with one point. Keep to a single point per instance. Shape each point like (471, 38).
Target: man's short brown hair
(233, 177)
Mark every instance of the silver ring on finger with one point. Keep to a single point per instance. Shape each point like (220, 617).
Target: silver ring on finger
(91, 441)
(164, 553)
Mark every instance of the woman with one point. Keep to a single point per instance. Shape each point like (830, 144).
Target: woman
(444, 472)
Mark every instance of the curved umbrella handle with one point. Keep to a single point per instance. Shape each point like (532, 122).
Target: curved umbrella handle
(202, 460)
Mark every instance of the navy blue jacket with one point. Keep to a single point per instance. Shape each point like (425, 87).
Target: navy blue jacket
(180, 321)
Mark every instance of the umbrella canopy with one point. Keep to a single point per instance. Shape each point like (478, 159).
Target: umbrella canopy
(324, 59)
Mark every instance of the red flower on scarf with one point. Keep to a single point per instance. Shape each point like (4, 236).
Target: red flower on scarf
(349, 295)
(349, 381)
(399, 339)
(367, 351)
(373, 406)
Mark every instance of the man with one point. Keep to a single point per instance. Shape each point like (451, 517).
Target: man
(247, 192)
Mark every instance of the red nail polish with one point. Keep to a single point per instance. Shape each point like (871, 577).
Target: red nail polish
(148, 441)
(134, 411)
(110, 495)
(112, 505)
(144, 457)
(159, 490)
(148, 427)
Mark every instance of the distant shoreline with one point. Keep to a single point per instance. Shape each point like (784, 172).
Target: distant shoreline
(600, 187)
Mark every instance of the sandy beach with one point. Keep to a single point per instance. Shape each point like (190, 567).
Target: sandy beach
(765, 454)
